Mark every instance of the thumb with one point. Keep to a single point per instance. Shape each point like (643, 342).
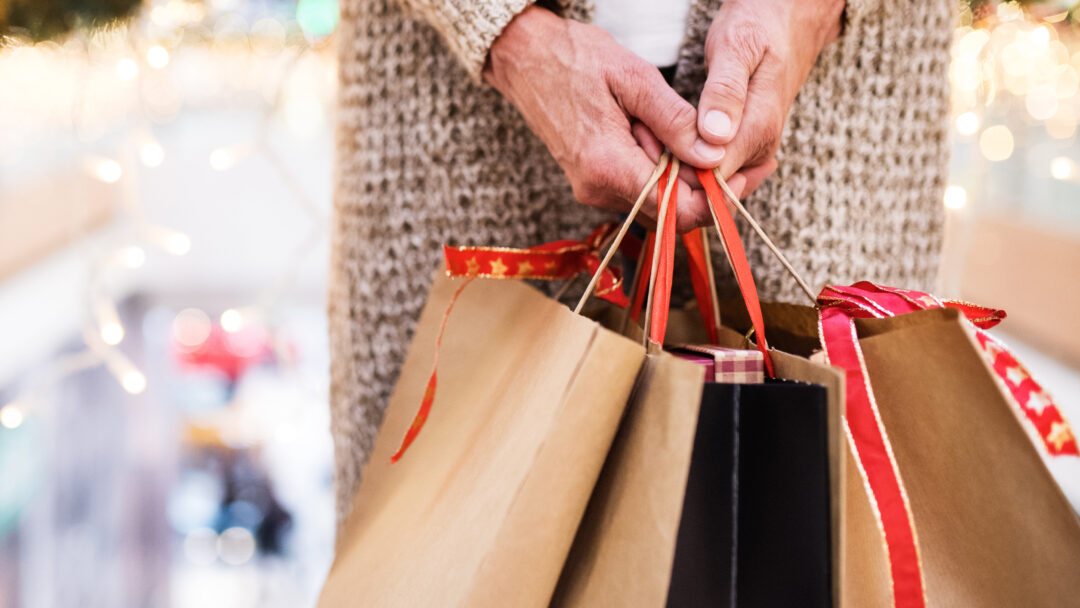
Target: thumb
(732, 54)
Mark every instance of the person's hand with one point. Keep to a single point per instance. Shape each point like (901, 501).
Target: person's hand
(759, 53)
(581, 92)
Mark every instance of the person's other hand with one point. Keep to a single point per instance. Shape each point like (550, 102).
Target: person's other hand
(759, 53)
(580, 92)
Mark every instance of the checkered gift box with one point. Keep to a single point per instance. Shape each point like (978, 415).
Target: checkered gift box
(730, 365)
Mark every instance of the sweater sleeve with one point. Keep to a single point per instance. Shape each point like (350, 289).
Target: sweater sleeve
(468, 26)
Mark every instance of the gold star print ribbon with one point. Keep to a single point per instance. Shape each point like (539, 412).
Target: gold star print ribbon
(1029, 397)
(557, 260)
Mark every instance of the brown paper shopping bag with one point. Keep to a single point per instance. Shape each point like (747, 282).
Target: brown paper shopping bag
(483, 507)
(625, 550)
(992, 527)
(626, 544)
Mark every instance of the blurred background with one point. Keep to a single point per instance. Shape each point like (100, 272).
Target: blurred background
(165, 185)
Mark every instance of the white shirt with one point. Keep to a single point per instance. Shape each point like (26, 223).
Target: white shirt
(653, 29)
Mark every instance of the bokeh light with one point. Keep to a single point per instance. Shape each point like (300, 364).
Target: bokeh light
(112, 333)
(133, 382)
(191, 327)
(236, 546)
(996, 143)
(11, 416)
(232, 320)
(157, 57)
(127, 69)
(1062, 168)
(967, 123)
(152, 154)
(955, 197)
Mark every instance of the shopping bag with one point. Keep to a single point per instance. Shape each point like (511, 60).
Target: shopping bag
(664, 523)
(473, 499)
(947, 497)
(529, 398)
(755, 520)
(961, 418)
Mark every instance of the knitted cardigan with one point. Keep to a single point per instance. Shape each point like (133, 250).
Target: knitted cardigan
(428, 154)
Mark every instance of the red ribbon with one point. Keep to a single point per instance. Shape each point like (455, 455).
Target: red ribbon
(867, 299)
(737, 254)
(665, 269)
(699, 279)
(557, 260)
(429, 394)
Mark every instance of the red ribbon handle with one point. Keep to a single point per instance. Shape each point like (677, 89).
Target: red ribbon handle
(661, 290)
(699, 279)
(729, 232)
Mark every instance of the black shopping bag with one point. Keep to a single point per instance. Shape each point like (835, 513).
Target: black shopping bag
(755, 527)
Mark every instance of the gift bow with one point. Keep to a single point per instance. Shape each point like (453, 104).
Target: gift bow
(838, 309)
(557, 260)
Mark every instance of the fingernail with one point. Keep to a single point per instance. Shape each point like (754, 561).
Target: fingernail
(709, 152)
(717, 123)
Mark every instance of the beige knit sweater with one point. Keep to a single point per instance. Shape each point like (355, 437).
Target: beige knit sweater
(427, 154)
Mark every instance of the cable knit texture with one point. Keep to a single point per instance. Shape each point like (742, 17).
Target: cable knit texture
(427, 154)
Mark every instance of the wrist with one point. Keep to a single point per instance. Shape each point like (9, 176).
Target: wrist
(817, 22)
(830, 16)
(517, 43)
(823, 17)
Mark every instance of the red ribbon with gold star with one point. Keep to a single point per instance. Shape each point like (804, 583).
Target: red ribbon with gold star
(557, 260)
(866, 299)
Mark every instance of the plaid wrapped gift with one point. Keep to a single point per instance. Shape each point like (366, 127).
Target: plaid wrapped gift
(730, 365)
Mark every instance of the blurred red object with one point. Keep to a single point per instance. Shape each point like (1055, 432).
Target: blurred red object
(231, 353)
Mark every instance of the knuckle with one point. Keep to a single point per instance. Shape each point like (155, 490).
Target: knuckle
(679, 118)
(744, 41)
(726, 87)
(631, 70)
(749, 38)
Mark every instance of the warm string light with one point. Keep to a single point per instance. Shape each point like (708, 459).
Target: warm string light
(1011, 57)
(996, 143)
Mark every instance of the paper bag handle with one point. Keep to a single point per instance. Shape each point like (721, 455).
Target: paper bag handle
(664, 177)
(661, 166)
(717, 180)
